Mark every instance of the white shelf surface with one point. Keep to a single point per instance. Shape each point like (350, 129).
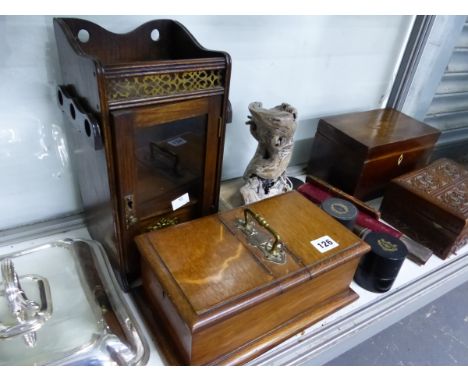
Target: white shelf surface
(371, 313)
(414, 287)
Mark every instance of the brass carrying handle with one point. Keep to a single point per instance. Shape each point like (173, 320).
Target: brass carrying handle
(261, 220)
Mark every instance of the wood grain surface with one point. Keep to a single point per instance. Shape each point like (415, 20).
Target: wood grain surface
(430, 205)
(129, 82)
(216, 294)
(361, 152)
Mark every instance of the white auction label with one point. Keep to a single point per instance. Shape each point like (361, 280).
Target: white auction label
(180, 201)
(177, 141)
(324, 244)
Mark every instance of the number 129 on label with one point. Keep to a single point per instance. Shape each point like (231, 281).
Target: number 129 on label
(324, 244)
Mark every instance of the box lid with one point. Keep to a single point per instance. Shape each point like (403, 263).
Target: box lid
(211, 267)
(379, 131)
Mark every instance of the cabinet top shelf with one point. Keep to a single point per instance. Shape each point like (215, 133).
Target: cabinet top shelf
(156, 41)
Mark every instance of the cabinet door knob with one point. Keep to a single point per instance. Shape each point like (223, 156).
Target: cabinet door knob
(400, 159)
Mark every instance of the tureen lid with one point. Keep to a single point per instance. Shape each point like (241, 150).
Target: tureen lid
(61, 305)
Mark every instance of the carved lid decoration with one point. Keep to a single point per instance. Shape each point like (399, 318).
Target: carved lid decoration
(444, 181)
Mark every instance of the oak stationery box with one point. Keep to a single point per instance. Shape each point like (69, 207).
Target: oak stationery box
(430, 205)
(227, 287)
(147, 112)
(361, 152)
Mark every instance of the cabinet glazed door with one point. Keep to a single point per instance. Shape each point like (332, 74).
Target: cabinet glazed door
(167, 163)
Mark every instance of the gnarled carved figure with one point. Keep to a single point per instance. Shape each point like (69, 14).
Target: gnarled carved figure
(274, 130)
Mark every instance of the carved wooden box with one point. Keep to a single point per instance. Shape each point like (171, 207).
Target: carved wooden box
(147, 113)
(431, 206)
(219, 294)
(361, 152)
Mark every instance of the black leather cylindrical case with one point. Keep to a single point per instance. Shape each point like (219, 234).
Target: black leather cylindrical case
(342, 210)
(379, 268)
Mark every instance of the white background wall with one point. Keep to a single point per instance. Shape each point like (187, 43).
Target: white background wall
(322, 65)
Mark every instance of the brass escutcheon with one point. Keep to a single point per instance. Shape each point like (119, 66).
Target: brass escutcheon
(130, 217)
(400, 159)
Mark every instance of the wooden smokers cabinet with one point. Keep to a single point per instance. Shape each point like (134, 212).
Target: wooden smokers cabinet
(148, 112)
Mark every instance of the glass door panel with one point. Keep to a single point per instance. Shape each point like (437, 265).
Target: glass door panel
(170, 160)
